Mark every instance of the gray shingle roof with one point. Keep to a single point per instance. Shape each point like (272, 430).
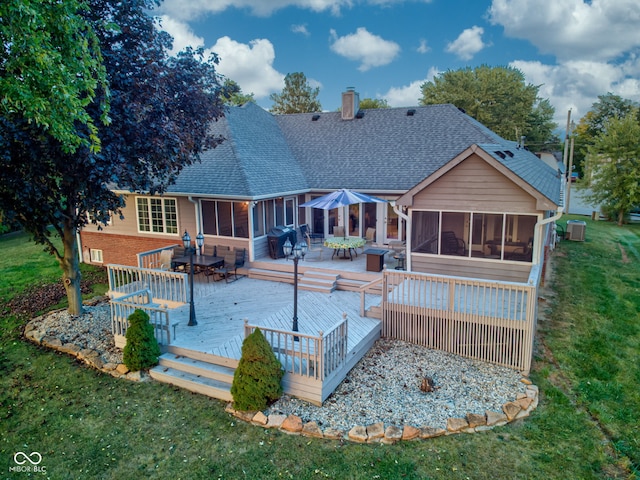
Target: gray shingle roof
(384, 151)
(253, 161)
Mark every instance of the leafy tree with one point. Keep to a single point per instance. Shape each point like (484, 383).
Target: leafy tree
(233, 94)
(614, 163)
(51, 69)
(369, 103)
(498, 97)
(161, 108)
(593, 123)
(297, 96)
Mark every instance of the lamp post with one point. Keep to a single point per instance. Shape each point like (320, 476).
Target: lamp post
(299, 251)
(186, 241)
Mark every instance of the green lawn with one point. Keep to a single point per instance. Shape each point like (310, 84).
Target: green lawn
(86, 424)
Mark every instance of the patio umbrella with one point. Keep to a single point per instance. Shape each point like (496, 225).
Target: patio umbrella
(341, 198)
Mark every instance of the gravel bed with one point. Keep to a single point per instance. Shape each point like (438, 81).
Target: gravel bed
(383, 387)
(90, 330)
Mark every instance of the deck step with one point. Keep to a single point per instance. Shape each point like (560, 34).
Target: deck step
(318, 281)
(192, 382)
(374, 312)
(272, 275)
(197, 367)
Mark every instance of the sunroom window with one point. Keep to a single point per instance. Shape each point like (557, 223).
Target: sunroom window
(495, 236)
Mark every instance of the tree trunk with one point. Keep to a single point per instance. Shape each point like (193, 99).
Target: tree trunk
(621, 218)
(71, 275)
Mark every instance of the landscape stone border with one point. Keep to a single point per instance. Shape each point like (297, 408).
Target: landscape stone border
(521, 407)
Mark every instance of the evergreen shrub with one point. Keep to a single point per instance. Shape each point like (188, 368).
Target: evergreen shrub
(141, 350)
(256, 381)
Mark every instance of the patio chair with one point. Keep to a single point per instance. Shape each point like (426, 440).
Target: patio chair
(312, 237)
(209, 250)
(452, 245)
(314, 253)
(521, 254)
(233, 259)
(338, 231)
(164, 260)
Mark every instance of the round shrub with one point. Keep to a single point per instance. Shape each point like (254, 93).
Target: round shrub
(141, 350)
(256, 381)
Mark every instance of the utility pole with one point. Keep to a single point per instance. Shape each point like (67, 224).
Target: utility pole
(570, 177)
(566, 141)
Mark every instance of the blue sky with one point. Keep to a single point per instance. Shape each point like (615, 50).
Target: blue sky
(576, 50)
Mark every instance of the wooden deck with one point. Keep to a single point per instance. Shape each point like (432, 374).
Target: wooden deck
(196, 352)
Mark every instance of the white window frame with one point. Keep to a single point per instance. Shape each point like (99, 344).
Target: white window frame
(165, 212)
(95, 255)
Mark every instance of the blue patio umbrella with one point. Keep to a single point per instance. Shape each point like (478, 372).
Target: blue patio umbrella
(341, 198)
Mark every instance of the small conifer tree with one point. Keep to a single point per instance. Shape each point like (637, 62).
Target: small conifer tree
(141, 350)
(256, 381)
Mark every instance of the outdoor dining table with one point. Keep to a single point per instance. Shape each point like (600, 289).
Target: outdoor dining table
(347, 245)
(202, 262)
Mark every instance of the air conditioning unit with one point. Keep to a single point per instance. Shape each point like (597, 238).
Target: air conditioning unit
(576, 230)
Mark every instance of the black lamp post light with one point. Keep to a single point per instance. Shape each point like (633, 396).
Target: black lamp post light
(299, 251)
(186, 241)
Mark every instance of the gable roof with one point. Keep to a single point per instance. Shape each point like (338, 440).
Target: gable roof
(384, 151)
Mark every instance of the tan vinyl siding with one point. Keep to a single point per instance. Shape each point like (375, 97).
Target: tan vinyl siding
(471, 268)
(474, 185)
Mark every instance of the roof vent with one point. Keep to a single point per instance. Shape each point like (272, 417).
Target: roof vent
(315, 118)
(411, 112)
(509, 152)
(350, 104)
(500, 154)
(360, 114)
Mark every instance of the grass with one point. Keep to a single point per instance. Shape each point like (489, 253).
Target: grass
(87, 424)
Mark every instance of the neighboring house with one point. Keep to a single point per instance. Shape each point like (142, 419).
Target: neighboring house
(465, 201)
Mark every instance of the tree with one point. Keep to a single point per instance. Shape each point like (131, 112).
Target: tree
(593, 123)
(297, 96)
(369, 103)
(498, 97)
(233, 95)
(161, 109)
(142, 350)
(614, 163)
(50, 68)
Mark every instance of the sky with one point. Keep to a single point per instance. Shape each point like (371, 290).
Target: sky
(574, 50)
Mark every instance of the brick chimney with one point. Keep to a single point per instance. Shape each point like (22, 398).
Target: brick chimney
(350, 104)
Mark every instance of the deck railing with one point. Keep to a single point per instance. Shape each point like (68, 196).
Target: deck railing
(151, 258)
(486, 320)
(309, 356)
(124, 306)
(371, 287)
(166, 287)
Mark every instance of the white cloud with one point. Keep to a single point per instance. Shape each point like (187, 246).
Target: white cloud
(468, 43)
(249, 65)
(190, 9)
(182, 34)
(572, 29)
(423, 47)
(577, 84)
(362, 46)
(300, 29)
(408, 95)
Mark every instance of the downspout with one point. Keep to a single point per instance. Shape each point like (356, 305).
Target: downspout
(538, 232)
(197, 211)
(407, 220)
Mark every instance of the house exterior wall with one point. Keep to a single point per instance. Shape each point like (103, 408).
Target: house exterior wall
(470, 268)
(473, 185)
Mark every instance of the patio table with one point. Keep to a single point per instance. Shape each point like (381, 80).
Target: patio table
(202, 262)
(347, 245)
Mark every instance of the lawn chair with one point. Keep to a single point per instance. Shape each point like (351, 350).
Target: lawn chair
(233, 259)
(338, 231)
(164, 260)
(311, 237)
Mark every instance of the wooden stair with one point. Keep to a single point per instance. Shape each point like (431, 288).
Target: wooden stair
(198, 372)
(318, 281)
